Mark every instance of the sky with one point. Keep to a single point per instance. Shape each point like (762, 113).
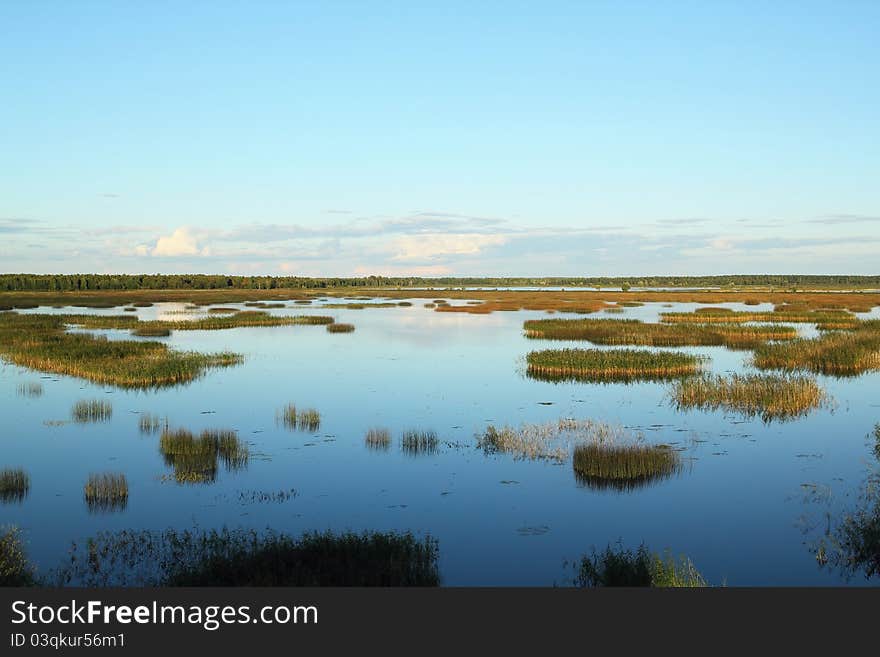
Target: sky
(446, 138)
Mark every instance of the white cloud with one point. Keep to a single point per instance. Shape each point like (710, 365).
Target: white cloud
(182, 242)
(437, 245)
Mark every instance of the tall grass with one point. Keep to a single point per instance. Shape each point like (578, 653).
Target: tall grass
(839, 354)
(601, 365)
(617, 566)
(378, 438)
(15, 569)
(91, 410)
(340, 328)
(770, 397)
(149, 423)
(14, 485)
(196, 459)
(308, 419)
(106, 492)
(727, 316)
(416, 442)
(152, 331)
(247, 558)
(623, 467)
(29, 389)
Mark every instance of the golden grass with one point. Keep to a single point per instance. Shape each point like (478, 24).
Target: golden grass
(600, 365)
(378, 438)
(340, 328)
(623, 467)
(837, 353)
(106, 492)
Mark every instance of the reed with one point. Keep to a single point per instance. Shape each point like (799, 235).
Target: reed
(196, 459)
(635, 332)
(106, 492)
(416, 442)
(550, 440)
(15, 569)
(770, 397)
(15, 484)
(29, 389)
(623, 467)
(710, 315)
(838, 354)
(150, 424)
(220, 310)
(378, 439)
(340, 328)
(617, 566)
(308, 419)
(130, 309)
(604, 365)
(92, 410)
(40, 342)
(151, 331)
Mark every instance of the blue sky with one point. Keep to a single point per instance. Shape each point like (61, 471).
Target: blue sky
(477, 138)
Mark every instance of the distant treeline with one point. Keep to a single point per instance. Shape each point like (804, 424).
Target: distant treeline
(81, 282)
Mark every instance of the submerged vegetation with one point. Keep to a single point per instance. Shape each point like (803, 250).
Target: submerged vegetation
(106, 492)
(610, 365)
(308, 419)
(41, 342)
(247, 558)
(415, 442)
(617, 566)
(769, 396)
(196, 459)
(92, 410)
(623, 467)
(635, 332)
(14, 485)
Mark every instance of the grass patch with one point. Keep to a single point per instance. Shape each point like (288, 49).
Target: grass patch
(726, 315)
(41, 342)
(150, 424)
(196, 459)
(378, 439)
(220, 310)
(604, 365)
(91, 410)
(623, 467)
(635, 332)
(151, 331)
(839, 354)
(549, 440)
(15, 570)
(14, 485)
(308, 419)
(416, 442)
(340, 328)
(248, 558)
(29, 389)
(617, 566)
(770, 397)
(106, 492)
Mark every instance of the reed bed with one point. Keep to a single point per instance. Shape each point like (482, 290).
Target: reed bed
(15, 484)
(220, 310)
(838, 354)
(617, 566)
(106, 492)
(130, 309)
(551, 440)
(142, 304)
(151, 332)
(770, 397)
(15, 569)
(244, 557)
(605, 365)
(40, 342)
(623, 467)
(150, 424)
(416, 442)
(91, 410)
(378, 438)
(340, 328)
(29, 389)
(710, 315)
(196, 459)
(635, 332)
(239, 319)
(308, 419)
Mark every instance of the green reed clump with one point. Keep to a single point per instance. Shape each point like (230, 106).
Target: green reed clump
(623, 467)
(130, 309)
(41, 342)
(618, 566)
(630, 304)
(415, 442)
(838, 354)
(29, 389)
(404, 304)
(106, 492)
(611, 310)
(91, 410)
(241, 557)
(220, 310)
(726, 315)
(602, 365)
(635, 332)
(308, 419)
(151, 331)
(378, 438)
(196, 459)
(770, 397)
(149, 423)
(15, 569)
(14, 485)
(340, 328)
(142, 304)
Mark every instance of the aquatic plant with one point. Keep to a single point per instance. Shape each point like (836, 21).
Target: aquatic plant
(106, 492)
(308, 419)
(726, 315)
(340, 328)
(770, 397)
(14, 485)
(196, 459)
(149, 423)
(415, 442)
(550, 440)
(220, 310)
(29, 389)
(243, 557)
(92, 410)
(623, 467)
(15, 569)
(601, 365)
(618, 566)
(839, 354)
(152, 331)
(378, 439)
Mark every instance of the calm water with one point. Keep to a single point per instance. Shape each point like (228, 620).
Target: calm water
(738, 510)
